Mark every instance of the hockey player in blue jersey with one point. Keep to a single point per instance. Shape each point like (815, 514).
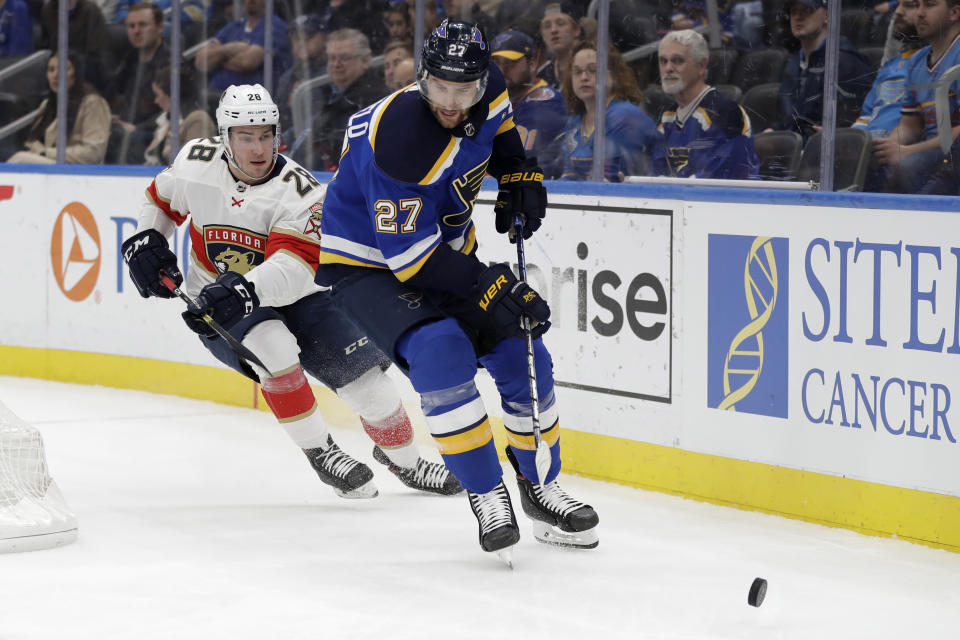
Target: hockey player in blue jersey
(399, 248)
(705, 134)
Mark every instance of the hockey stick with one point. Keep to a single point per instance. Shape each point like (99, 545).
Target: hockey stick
(235, 344)
(542, 459)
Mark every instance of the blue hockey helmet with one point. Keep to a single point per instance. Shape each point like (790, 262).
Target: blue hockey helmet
(456, 52)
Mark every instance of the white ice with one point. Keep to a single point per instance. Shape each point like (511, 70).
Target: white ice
(204, 521)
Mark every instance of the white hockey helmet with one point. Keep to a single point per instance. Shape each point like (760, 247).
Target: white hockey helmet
(243, 105)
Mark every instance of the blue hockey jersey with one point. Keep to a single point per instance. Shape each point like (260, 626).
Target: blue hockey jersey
(540, 116)
(630, 138)
(922, 74)
(881, 108)
(711, 140)
(403, 195)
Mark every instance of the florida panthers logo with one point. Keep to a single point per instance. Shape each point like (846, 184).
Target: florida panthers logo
(233, 249)
(312, 227)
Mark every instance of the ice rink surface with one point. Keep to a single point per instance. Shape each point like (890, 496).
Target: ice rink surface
(204, 521)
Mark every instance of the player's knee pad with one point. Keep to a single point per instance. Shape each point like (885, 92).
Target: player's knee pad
(440, 356)
(372, 396)
(273, 343)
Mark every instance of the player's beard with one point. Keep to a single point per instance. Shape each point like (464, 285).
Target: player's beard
(449, 118)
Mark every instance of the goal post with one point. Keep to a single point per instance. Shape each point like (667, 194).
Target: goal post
(33, 512)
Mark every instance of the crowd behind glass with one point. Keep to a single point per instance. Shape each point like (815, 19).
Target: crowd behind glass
(749, 108)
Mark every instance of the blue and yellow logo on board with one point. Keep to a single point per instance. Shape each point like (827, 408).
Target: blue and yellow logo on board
(747, 313)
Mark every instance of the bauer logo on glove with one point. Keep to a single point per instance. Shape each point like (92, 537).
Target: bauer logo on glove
(521, 194)
(506, 299)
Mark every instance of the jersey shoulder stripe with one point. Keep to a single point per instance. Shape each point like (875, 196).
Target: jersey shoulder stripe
(408, 143)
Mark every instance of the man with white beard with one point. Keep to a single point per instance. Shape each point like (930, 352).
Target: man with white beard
(705, 134)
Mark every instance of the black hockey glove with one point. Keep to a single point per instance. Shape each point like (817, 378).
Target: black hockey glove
(146, 254)
(504, 299)
(521, 193)
(227, 301)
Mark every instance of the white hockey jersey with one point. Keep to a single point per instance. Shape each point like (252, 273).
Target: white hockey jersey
(269, 232)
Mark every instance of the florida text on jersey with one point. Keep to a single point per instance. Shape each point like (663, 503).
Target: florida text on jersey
(415, 180)
(235, 226)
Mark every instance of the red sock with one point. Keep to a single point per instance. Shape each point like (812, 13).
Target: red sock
(393, 431)
(289, 396)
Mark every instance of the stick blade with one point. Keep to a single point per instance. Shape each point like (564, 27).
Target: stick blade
(543, 460)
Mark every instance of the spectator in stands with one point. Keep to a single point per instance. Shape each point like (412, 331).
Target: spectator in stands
(16, 29)
(880, 113)
(86, 34)
(690, 14)
(912, 149)
(801, 87)
(88, 120)
(195, 122)
(705, 134)
(354, 85)
(560, 31)
(235, 55)
(129, 92)
(431, 16)
(393, 56)
(365, 16)
(399, 23)
(308, 42)
(538, 108)
(630, 133)
(404, 72)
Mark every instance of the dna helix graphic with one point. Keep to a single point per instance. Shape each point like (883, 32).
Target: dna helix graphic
(747, 344)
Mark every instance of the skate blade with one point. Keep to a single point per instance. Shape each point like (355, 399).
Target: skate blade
(363, 492)
(506, 554)
(554, 536)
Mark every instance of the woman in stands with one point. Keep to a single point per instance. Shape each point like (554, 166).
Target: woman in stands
(630, 133)
(194, 121)
(88, 121)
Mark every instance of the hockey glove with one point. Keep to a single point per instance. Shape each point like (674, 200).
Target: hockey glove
(146, 254)
(521, 193)
(504, 299)
(227, 301)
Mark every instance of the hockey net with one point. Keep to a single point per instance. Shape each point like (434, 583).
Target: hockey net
(33, 513)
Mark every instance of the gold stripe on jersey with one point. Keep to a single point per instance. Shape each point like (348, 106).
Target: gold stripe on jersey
(298, 258)
(498, 104)
(405, 274)
(441, 163)
(197, 263)
(376, 118)
(470, 242)
(526, 442)
(327, 257)
(471, 438)
(506, 125)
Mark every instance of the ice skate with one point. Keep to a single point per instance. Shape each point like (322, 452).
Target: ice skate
(349, 478)
(426, 476)
(498, 525)
(557, 518)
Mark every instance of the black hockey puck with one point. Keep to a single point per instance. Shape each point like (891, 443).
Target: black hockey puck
(757, 592)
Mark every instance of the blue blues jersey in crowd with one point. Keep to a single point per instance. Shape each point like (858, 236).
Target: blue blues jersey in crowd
(922, 73)
(881, 108)
(711, 138)
(631, 137)
(540, 116)
(403, 194)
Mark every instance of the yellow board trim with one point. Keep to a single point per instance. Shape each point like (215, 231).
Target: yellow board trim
(870, 508)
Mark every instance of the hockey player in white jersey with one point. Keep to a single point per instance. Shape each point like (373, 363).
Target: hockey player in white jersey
(254, 220)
